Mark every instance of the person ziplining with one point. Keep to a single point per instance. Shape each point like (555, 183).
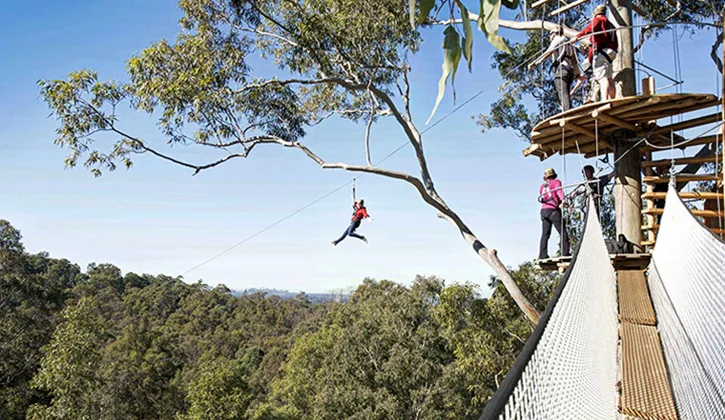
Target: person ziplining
(359, 213)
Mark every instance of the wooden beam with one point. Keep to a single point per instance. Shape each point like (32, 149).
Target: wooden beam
(614, 120)
(567, 7)
(681, 161)
(695, 142)
(685, 195)
(707, 119)
(680, 178)
(583, 131)
(699, 213)
(680, 108)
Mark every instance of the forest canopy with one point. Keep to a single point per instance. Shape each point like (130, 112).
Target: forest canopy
(102, 344)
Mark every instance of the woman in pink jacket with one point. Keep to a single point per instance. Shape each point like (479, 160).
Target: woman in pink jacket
(551, 196)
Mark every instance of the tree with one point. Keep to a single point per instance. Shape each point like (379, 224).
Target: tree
(204, 83)
(69, 371)
(33, 291)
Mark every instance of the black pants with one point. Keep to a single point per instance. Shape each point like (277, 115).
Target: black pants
(562, 81)
(551, 217)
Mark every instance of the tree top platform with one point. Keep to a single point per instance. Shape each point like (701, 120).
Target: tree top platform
(583, 125)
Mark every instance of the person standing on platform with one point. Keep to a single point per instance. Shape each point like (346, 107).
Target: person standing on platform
(551, 197)
(603, 50)
(566, 65)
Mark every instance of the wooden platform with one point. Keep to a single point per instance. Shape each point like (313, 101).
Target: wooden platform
(635, 113)
(619, 261)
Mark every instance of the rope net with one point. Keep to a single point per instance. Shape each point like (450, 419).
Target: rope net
(568, 367)
(687, 282)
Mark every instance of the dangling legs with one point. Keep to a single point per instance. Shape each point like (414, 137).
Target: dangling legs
(350, 231)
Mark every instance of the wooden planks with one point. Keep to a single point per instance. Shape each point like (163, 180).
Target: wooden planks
(699, 213)
(680, 178)
(634, 113)
(646, 390)
(634, 302)
(680, 161)
(687, 195)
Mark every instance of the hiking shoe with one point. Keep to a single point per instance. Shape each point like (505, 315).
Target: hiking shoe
(365, 239)
(334, 243)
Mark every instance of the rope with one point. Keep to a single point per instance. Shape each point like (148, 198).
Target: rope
(353, 190)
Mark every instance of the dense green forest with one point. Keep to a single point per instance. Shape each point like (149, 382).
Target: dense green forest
(101, 344)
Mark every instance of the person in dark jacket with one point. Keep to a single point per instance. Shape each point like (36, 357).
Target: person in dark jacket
(359, 213)
(595, 184)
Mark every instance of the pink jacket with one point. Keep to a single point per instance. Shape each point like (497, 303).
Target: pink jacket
(551, 199)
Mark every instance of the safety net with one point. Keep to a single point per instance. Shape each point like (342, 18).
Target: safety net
(568, 367)
(687, 282)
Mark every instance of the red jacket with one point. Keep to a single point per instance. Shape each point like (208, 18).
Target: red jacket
(602, 40)
(360, 213)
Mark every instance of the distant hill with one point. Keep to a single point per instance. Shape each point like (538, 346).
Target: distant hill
(333, 296)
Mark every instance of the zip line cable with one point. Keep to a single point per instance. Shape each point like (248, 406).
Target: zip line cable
(453, 111)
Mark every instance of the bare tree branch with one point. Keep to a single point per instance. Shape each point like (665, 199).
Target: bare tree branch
(512, 24)
(368, 128)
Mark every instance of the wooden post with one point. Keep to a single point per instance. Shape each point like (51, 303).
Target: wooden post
(648, 86)
(627, 188)
(722, 137)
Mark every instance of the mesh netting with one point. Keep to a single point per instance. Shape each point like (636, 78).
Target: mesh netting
(568, 368)
(687, 283)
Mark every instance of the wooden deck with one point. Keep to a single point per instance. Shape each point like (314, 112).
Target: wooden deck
(634, 113)
(619, 261)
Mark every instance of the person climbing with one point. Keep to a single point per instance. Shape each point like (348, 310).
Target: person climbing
(604, 46)
(566, 65)
(359, 213)
(596, 185)
(551, 197)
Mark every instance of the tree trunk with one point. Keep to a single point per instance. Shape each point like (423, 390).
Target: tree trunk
(627, 189)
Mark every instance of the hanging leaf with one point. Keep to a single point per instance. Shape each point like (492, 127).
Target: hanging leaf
(511, 4)
(411, 11)
(467, 43)
(451, 58)
(488, 23)
(425, 7)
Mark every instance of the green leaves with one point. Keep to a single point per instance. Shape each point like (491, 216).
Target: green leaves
(467, 34)
(488, 23)
(425, 7)
(451, 58)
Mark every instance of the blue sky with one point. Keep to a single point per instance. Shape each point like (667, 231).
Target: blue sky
(157, 218)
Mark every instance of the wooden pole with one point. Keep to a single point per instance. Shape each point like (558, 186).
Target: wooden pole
(627, 187)
(722, 85)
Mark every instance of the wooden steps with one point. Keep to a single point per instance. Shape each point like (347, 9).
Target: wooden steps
(694, 142)
(681, 161)
(700, 213)
(680, 178)
(656, 228)
(646, 391)
(686, 195)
